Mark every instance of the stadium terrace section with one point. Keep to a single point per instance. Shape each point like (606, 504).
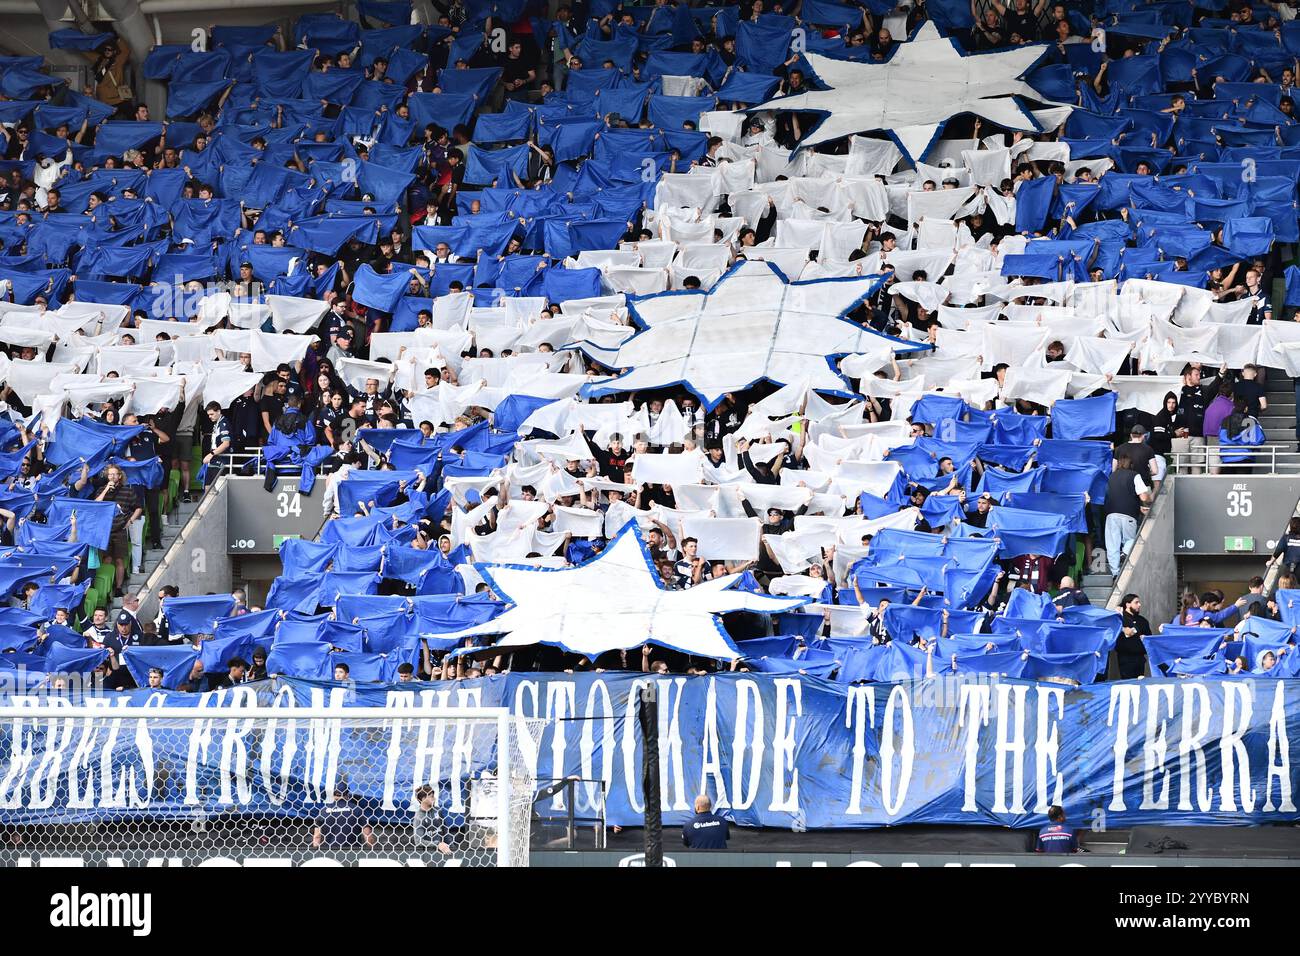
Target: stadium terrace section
(745, 344)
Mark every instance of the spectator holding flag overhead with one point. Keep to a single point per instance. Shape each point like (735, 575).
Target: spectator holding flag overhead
(129, 507)
(1193, 398)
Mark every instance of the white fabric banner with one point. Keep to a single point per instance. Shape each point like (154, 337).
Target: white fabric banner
(356, 372)
(797, 585)
(150, 395)
(724, 539)
(270, 349)
(290, 313)
(226, 381)
(683, 469)
(1041, 386)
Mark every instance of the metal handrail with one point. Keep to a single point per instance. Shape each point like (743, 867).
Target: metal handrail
(568, 785)
(234, 463)
(1264, 460)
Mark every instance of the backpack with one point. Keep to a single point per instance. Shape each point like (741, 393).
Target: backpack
(1237, 448)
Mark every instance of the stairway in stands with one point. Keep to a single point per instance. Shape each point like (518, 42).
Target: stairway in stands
(1279, 419)
(173, 524)
(176, 514)
(1098, 588)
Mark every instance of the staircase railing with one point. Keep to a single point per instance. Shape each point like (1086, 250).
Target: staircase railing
(1265, 460)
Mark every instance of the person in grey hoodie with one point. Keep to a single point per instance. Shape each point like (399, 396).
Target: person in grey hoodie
(428, 827)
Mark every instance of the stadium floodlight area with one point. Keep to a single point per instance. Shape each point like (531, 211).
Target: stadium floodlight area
(265, 786)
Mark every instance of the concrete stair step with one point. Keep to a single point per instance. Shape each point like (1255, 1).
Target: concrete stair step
(171, 530)
(1098, 588)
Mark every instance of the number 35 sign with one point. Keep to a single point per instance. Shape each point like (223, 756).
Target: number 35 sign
(1211, 509)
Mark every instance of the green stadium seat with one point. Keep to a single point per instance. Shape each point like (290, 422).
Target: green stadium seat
(104, 579)
(1079, 565)
(173, 489)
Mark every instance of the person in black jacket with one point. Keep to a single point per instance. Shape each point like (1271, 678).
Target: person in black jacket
(1167, 423)
(1129, 649)
(1288, 547)
(706, 830)
(1193, 398)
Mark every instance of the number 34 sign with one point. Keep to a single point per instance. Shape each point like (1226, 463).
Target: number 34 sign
(257, 521)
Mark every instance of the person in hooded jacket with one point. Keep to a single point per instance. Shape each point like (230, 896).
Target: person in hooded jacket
(1167, 421)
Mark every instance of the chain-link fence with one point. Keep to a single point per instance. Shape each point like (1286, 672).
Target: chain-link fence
(182, 786)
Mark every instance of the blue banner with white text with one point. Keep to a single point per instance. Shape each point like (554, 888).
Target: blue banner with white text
(775, 751)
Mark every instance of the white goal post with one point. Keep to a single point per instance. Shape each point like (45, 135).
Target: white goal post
(265, 785)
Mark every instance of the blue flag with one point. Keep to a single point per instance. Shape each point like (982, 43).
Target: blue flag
(1079, 418)
(196, 614)
(176, 664)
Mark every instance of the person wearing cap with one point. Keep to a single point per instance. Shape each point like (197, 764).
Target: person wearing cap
(1140, 455)
(340, 345)
(248, 285)
(127, 630)
(916, 498)
(384, 258)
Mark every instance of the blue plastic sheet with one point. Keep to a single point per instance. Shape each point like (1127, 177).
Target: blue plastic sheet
(196, 614)
(176, 664)
(1077, 419)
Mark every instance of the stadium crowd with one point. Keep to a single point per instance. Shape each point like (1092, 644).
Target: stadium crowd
(424, 261)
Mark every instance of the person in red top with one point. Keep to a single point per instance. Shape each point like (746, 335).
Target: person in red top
(1034, 570)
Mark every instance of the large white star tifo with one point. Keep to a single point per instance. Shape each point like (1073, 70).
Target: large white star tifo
(615, 602)
(923, 85)
(753, 325)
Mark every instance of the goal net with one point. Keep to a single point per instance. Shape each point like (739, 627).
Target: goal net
(265, 786)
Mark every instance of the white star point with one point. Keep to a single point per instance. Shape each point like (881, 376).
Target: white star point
(925, 83)
(615, 601)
